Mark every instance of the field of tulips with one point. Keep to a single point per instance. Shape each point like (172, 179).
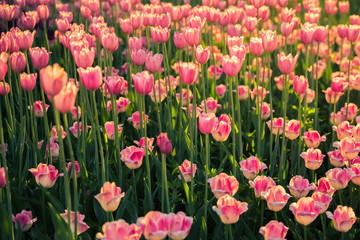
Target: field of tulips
(201, 119)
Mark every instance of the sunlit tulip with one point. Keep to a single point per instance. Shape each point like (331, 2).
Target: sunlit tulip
(274, 230)
(45, 175)
(223, 184)
(261, 185)
(229, 209)
(344, 218)
(154, 226)
(119, 230)
(276, 198)
(132, 156)
(305, 210)
(109, 197)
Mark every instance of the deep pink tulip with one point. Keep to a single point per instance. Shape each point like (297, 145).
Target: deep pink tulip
(324, 186)
(29, 19)
(344, 7)
(109, 197)
(126, 26)
(17, 62)
(119, 229)
(307, 33)
(76, 168)
(305, 210)
(261, 185)
(300, 187)
(28, 81)
(136, 19)
(164, 143)
(207, 122)
(202, 55)
(65, 100)
(277, 126)
(232, 65)
(220, 90)
(24, 219)
(342, 31)
(114, 84)
(276, 198)
(339, 178)
(179, 225)
(91, 77)
(251, 167)
(322, 200)
(77, 129)
(109, 40)
(135, 119)
(45, 175)
(229, 209)
(256, 46)
(193, 36)
(143, 82)
(287, 28)
(153, 62)
(344, 218)
(353, 33)
(185, 170)
(312, 138)
(286, 63)
(300, 84)
(81, 225)
(274, 230)
(189, 73)
(25, 39)
(269, 40)
(110, 129)
(321, 33)
(138, 56)
(159, 34)
(4, 88)
(39, 57)
(132, 156)
(179, 40)
(3, 65)
(223, 184)
(155, 225)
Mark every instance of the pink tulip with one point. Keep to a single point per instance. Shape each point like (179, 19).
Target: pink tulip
(274, 230)
(251, 23)
(109, 197)
(300, 84)
(143, 82)
(344, 7)
(324, 186)
(24, 219)
(2, 177)
(222, 128)
(352, 110)
(38, 109)
(286, 63)
(292, 129)
(189, 73)
(179, 40)
(119, 230)
(348, 147)
(307, 33)
(353, 33)
(138, 56)
(164, 143)
(276, 198)
(251, 167)
(321, 33)
(300, 187)
(313, 158)
(154, 226)
(179, 225)
(149, 141)
(229, 209)
(223, 184)
(81, 225)
(344, 218)
(45, 175)
(91, 77)
(110, 129)
(28, 81)
(312, 138)
(126, 26)
(76, 170)
(185, 170)
(232, 65)
(277, 126)
(159, 34)
(54, 135)
(65, 100)
(115, 84)
(25, 39)
(220, 90)
(336, 159)
(269, 41)
(136, 19)
(202, 55)
(135, 119)
(193, 36)
(305, 210)
(207, 122)
(342, 31)
(234, 41)
(256, 46)
(261, 185)
(132, 156)
(17, 62)
(243, 92)
(287, 28)
(211, 105)
(153, 62)
(339, 178)
(84, 58)
(322, 200)
(39, 57)
(343, 130)
(238, 51)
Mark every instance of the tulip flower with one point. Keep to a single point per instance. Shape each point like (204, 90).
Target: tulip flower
(251, 167)
(343, 217)
(76, 170)
(119, 230)
(17, 62)
(223, 184)
(81, 225)
(132, 156)
(164, 143)
(179, 225)
(45, 175)
(274, 230)
(153, 62)
(261, 185)
(300, 187)
(28, 81)
(207, 122)
(53, 79)
(222, 128)
(2, 177)
(39, 57)
(185, 170)
(322, 200)
(155, 225)
(143, 82)
(276, 198)
(312, 138)
(286, 63)
(24, 219)
(65, 100)
(305, 210)
(91, 77)
(109, 197)
(189, 73)
(38, 108)
(229, 210)
(135, 119)
(339, 178)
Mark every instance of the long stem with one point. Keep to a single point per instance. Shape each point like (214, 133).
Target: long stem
(305, 232)
(316, 125)
(116, 144)
(207, 166)
(46, 37)
(282, 164)
(348, 90)
(165, 182)
(258, 133)
(143, 116)
(232, 127)
(191, 149)
(238, 105)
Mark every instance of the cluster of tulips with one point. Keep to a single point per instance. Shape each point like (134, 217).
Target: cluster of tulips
(142, 107)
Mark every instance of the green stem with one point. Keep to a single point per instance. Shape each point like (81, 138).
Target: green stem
(323, 225)
(116, 143)
(262, 203)
(46, 37)
(165, 182)
(207, 167)
(282, 164)
(305, 232)
(348, 90)
(238, 106)
(144, 126)
(232, 127)
(316, 125)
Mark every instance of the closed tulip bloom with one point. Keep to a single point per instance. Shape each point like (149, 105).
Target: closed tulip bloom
(222, 128)
(29, 19)
(344, 7)
(202, 55)
(109, 40)
(3, 65)
(256, 46)
(307, 33)
(189, 73)
(43, 12)
(342, 31)
(76, 169)
(119, 230)
(76, 129)
(135, 43)
(355, 168)
(2, 177)
(251, 23)
(339, 178)
(211, 105)
(234, 41)
(313, 158)
(229, 209)
(193, 36)
(24, 219)
(25, 39)
(39, 57)
(136, 19)
(300, 84)
(243, 92)
(251, 167)
(287, 28)
(138, 56)
(324, 186)
(352, 110)
(220, 90)
(261, 185)
(81, 225)
(126, 26)
(343, 217)
(292, 129)
(109, 197)
(62, 24)
(53, 79)
(110, 129)
(269, 41)
(159, 34)
(339, 84)
(185, 170)
(163, 20)
(45, 175)
(132, 156)
(114, 84)
(238, 51)
(322, 200)
(65, 100)
(207, 122)
(276, 198)
(17, 62)
(349, 148)
(91, 77)
(179, 225)
(286, 63)
(153, 62)
(164, 143)
(274, 230)
(231, 65)
(179, 40)
(312, 138)
(321, 33)
(277, 126)
(353, 33)
(223, 184)
(28, 81)
(305, 210)
(300, 187)
(143, 82)
(84, 58)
